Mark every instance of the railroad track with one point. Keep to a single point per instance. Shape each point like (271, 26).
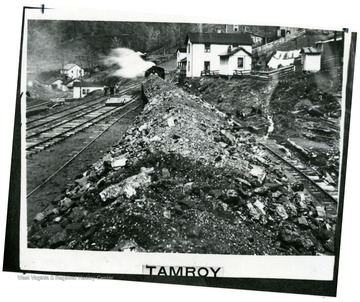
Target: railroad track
(102, 128)
(53, 133)
(324, 194)
(58, 115)
(37, 105)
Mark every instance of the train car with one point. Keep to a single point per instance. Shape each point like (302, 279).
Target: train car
(155, 70)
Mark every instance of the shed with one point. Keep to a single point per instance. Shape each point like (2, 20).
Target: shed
(82, 89)
(311, 59)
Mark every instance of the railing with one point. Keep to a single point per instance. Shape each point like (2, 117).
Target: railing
(210, 73)
(239, 72)
(273, 74)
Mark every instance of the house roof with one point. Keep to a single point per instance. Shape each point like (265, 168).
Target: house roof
(181, 49)
(69, 66)
(220, 38)
(310, 50)
(234, 51)
(183, 60)
(88, 84)
(48, 81)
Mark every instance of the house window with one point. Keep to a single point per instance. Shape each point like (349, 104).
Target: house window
(207, 65)
(240, 63)
(207, 47)
(236, 28)
(188, 65)
(84, 91)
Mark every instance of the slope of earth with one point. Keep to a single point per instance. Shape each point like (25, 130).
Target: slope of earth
(302, 112)
(184, 179)
(306, 111)
(245, 99)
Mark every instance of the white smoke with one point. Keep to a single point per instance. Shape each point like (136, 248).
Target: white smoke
(130, 63)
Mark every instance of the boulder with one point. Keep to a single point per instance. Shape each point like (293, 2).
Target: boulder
(127, 187)
(119, 162)
(280, 210)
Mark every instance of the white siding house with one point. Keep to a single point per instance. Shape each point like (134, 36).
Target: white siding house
(180, 55)
(235, 60)
(82, 89)
(72, 71)
(311, 59)
(204, 50)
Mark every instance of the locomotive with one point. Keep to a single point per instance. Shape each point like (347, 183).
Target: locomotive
(156, 70)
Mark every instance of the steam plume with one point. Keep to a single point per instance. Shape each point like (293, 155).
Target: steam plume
(130, 63)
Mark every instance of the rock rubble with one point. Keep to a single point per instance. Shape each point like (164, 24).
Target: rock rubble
(184, 179)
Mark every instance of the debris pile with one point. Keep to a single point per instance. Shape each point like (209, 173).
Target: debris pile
(184, 179)
(304, 108)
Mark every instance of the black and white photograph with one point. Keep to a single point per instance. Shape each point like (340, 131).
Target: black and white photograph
(175, 147)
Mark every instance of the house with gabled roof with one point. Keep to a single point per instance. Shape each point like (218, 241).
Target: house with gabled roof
(205, 50)
(236, 60)
(72, 71)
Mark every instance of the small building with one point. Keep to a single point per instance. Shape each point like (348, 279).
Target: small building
(82, 89)
(180, 55)
(72, 71)
(236, 60)
(311, 59)
(283, 31)
(53, 83)
(204, 50)
(57, 85)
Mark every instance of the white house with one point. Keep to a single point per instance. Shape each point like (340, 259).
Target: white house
(311, 59)
(180, 55)
(235, 60)
(82, 89)
(73, 71)
(204, 50)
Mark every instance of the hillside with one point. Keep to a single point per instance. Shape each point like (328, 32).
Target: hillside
(304, 109)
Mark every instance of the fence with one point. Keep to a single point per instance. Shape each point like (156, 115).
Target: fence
(210, 73)
(241, 72)
(273, 74)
